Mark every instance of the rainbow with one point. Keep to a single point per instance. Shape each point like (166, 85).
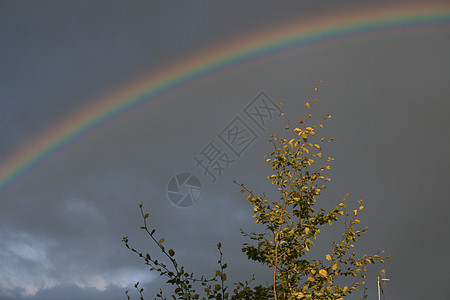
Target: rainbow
(290, 37)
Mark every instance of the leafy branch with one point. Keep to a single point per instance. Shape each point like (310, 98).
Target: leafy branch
(291, 226)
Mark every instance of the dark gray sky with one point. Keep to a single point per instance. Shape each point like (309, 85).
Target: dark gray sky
(61, 226)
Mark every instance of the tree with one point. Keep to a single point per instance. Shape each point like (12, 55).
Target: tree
(291, 225)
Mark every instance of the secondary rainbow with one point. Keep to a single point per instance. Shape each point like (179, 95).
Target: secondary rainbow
(296, 36)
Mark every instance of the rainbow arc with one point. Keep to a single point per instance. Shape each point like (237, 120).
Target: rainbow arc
(148, 90)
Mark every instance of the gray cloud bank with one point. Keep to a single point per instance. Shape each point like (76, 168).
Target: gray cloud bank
(61, 227)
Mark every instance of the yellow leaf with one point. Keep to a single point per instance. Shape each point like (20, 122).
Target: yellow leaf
(328, 257)
(291, 143)
(335, 266)
(323, 272)
(355, 211)
(307, 105)
(361, 207)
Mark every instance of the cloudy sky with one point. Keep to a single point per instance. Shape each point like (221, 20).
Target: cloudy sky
(61, 224)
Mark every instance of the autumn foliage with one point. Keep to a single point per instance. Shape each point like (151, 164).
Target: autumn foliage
(291, 224)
